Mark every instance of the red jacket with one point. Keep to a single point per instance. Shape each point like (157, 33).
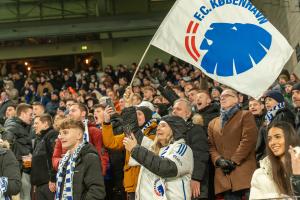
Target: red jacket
(95, 138)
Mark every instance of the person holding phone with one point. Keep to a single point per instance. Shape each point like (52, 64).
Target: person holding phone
(148, 126)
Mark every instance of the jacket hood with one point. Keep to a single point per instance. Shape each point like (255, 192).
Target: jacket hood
(265, 164)
(88, 148)
(212, 108)
(177, 124)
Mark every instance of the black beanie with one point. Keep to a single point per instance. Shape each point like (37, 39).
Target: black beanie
(276, 95)
(177, 124)
(147, 112)
(296, 86)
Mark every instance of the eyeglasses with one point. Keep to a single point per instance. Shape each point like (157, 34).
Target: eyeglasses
(226, 96)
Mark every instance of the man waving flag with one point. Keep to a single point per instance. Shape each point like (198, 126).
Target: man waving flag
(229, 40)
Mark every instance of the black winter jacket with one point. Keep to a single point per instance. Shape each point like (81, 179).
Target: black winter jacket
(88, 181)
(196, 138)
(17, 134)
(295, 180)
(42, 170)
(9, 167)
(209, 113)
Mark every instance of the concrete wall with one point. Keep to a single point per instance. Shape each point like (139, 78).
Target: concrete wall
(114, 52)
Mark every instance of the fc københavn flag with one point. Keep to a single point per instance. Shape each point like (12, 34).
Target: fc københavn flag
(229, 40)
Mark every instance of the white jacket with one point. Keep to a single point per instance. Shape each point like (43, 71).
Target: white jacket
(262, 184)
(152, 187)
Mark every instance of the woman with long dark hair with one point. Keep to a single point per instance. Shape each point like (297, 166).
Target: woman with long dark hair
(273, 178)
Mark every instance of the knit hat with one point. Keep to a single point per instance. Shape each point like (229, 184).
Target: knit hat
(55, 92)
(296, 86)
(276, 95)
(146, 111)
(177, 124)
(147, 104)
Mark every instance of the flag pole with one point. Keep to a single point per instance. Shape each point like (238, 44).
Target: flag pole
(138, 67)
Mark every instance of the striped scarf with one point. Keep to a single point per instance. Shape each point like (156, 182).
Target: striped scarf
(86, 137)
(69, 160)
(271, 113)
(3, 188)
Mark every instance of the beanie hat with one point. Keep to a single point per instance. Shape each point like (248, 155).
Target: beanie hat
(146, 111)
(276, 95)
(55, 92)
(177, 124)
(296, 86)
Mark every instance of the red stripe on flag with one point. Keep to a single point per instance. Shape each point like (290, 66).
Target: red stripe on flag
(189, 27)
(194, 47)
(195, 28)
(187, 46)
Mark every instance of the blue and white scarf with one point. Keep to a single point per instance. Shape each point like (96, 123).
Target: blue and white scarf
(67, 193)
(3, 188)
(272, 113)
(86, 137)
(225, 115)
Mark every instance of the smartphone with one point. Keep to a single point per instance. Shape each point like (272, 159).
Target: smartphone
(127, 130)
(110, 103)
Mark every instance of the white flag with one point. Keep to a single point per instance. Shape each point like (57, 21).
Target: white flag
(229, 40)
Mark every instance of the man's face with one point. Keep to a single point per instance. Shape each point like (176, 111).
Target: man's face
(3, 96)
(70, 138)
(180, 110)
(255, 107)
(111, 95)
(10, 112)
(75, 113)
(38, 110)
(228, 99)
(296, 98)
(38, 125)
(27, 116)
(202, 101)
(54, 97)
(193, 96)
(98, 115)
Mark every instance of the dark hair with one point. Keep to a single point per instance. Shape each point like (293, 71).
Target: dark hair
(82, 107)
(36, 103)
(281, 172)
(46, 118)
(22, 107)
(71, 123)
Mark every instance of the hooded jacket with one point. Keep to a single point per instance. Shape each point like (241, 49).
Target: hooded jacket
(168, 174)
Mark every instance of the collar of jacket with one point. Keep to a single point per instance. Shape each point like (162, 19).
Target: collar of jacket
(44, 132)
(210, 108)
(226, 115)
(20, 121)
(265, 164)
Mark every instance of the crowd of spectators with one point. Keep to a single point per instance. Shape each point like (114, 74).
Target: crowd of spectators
(173, 134)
